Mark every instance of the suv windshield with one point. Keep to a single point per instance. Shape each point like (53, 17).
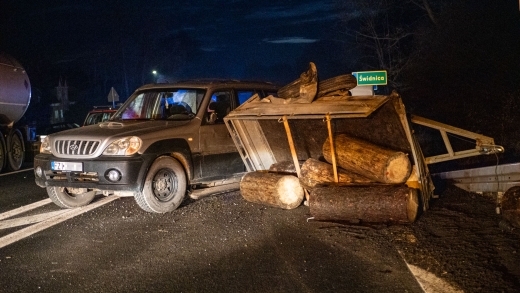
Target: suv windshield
(175, 104)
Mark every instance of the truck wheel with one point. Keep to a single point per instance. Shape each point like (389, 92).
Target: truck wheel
(15, 150)
(164, 187)
(70, 197)
(3, 152)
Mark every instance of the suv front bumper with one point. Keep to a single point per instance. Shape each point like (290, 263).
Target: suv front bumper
(94, 174)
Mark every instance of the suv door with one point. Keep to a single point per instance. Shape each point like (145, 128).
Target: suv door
(219, 154)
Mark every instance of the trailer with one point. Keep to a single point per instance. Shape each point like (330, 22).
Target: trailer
(270, 132)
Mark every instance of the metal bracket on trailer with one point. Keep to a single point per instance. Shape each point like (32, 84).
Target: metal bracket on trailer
(483, 144)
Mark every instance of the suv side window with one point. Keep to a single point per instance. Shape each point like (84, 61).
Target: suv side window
(244, 95)
(219, 106)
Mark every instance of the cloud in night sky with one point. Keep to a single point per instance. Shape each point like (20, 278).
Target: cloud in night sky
(291, 40)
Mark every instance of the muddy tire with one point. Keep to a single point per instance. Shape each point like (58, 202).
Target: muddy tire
(70, 197)
(341, 82)
(15, 150)
(164, 188)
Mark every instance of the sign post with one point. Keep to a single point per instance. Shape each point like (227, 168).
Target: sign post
(113, 97)
(371, 77)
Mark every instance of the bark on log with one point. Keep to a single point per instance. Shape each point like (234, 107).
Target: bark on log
(314, 172)
(511, 199)
(511, 206)
(277, 190)
(368, 204)
(303, 89)
(284, 167)
(374, 162)
(512, 217)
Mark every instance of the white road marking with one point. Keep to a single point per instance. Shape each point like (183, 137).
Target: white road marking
(14, 172)
(24, 209)
(35, 228)
(5, 224)
(429, 282)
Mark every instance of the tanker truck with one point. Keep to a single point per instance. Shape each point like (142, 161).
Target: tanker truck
(15, 95)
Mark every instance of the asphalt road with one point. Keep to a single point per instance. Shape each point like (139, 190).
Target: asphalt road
(217, 244)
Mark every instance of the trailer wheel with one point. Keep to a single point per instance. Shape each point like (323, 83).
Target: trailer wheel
(15, 150)
(70, 197)
(164, 187)
(3, 152)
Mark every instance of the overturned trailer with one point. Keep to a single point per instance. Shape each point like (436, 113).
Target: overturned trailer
(268, 133)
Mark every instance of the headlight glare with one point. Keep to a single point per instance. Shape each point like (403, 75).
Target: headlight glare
(45, 146)
(123, 147)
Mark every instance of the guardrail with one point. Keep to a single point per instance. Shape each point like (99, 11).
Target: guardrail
(497, 178)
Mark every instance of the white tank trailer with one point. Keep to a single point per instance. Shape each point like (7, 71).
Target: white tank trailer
(15, 96)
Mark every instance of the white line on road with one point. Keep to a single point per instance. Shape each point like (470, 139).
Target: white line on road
(14, 172)
(24, 209)
(429, 282)
(29, 219)
(20, 234)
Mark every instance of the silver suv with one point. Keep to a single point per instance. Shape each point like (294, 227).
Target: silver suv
(165, 141)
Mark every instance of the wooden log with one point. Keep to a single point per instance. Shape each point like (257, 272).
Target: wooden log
(303, 89)
(511, 199)
(510, 205)
(512, 217)
(284, 167)
(394, 203)
(314, 172)
(277, 190)
(372, 161)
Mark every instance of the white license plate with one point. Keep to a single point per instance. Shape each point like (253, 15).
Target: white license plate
(66, 166)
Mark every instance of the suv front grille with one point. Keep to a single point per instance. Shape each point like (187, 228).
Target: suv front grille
(76, 147)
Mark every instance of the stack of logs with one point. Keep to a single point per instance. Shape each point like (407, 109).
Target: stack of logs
(370, 184)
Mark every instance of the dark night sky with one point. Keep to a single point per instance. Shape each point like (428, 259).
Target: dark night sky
(95, 45)
(227, 39)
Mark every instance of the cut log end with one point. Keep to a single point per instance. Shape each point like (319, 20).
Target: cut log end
(398, 169)
(290, 192)
(277, 190)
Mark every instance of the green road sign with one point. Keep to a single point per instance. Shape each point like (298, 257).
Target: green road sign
(371, 77)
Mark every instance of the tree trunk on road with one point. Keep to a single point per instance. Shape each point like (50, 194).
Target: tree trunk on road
(277, 190)
(369, 204)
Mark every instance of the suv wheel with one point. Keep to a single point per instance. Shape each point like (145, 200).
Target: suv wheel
(70, 197)
(164, 188)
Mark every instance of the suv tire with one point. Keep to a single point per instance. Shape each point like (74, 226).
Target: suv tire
(65, 199)
(164, 187)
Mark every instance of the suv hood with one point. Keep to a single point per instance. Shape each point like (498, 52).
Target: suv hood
(105, 133)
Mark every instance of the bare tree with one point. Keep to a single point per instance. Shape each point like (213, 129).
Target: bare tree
(384, 32)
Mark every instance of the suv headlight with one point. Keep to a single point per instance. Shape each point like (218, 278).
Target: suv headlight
(123, 147)
(45, 146)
